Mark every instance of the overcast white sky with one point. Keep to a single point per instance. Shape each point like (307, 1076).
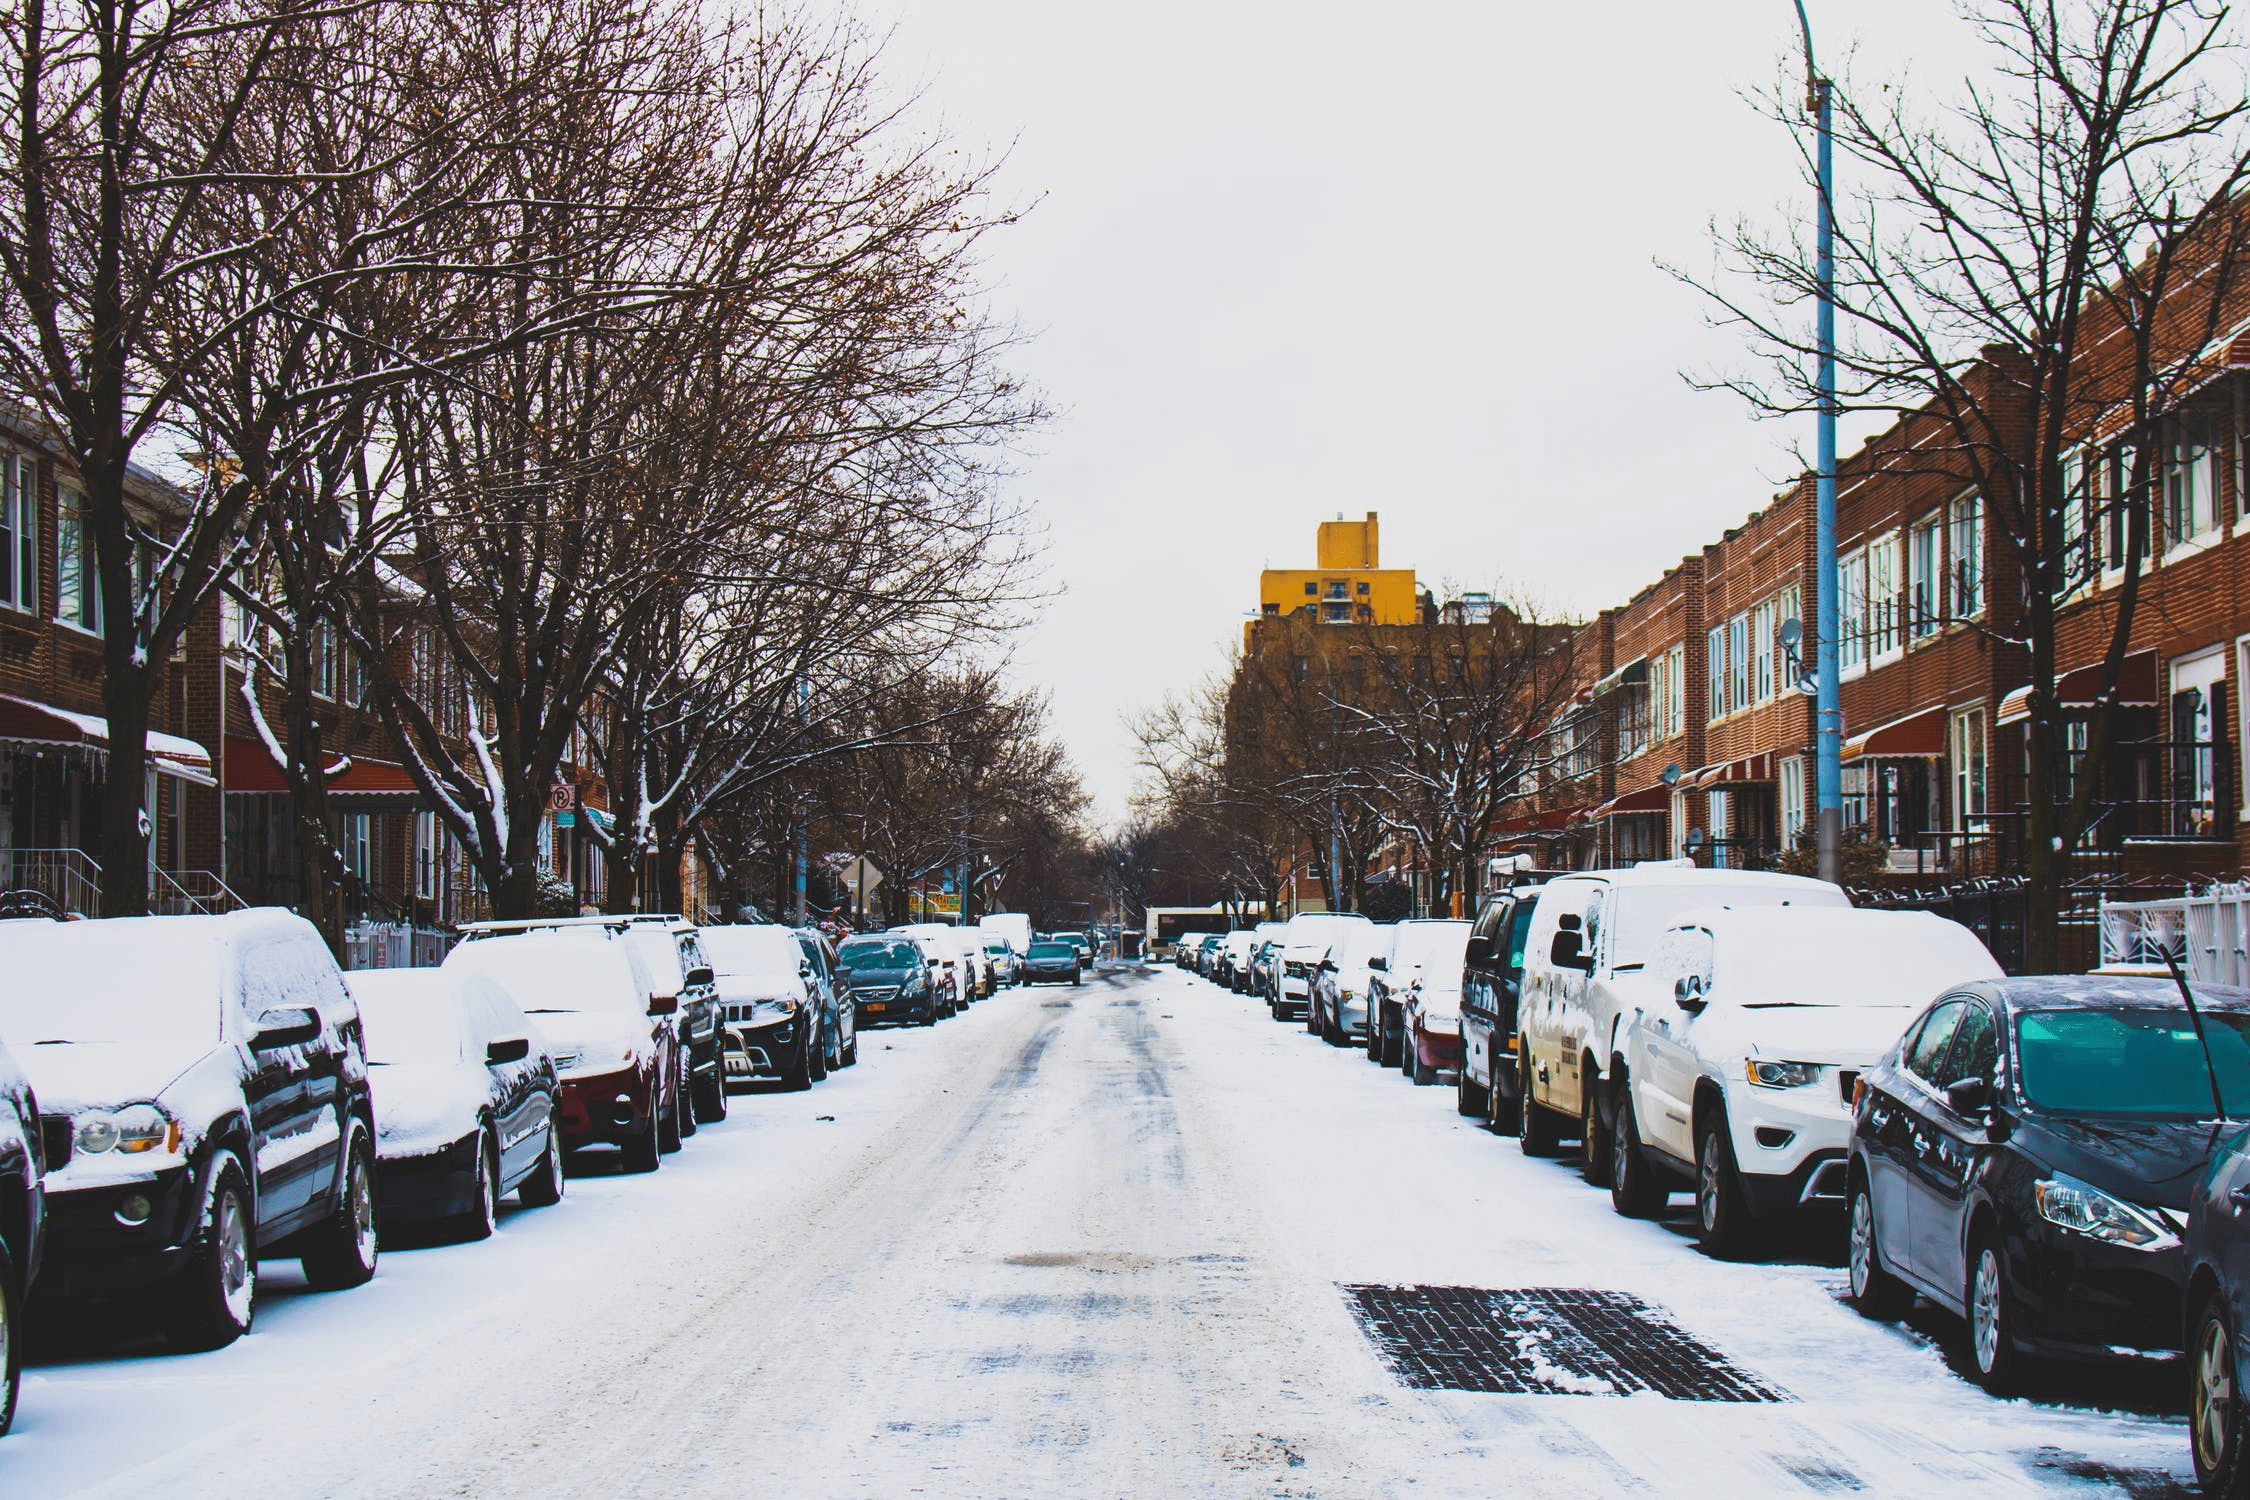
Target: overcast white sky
(1298, 257)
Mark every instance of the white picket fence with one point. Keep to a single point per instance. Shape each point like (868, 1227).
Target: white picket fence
(2209, 934)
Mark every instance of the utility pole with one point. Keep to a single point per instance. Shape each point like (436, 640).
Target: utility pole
(804, 720)
(1828, 722)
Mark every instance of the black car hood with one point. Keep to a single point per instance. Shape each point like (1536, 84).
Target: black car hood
(871, 978)
(2153, 1162)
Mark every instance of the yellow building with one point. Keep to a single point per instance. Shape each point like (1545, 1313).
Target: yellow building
(1349, 586)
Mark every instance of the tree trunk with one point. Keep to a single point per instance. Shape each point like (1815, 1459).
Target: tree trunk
(124, 840)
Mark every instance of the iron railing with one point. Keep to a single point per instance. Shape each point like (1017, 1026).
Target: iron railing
(2208, 933)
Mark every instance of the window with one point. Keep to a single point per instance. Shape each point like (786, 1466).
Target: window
(1925, 602)
(1719, 852)
(1675, 690)
(78, 589)
(1965, 548)
(1925, 1054)
(2190, 481)
(356, 840)
(2113, 476)
(1738, 656)
(429, 855)
(1789, 605)
(1633, 704)
(1968, 769)
(1883, 633)
(1762, 623)
(1976, 1047)
(1311, 588)
(19, 532)
(1851, 612)
(1792, 800)
(1715, 644)
(2079, 535)
(325, 664)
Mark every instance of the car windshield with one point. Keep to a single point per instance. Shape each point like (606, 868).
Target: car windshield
(2133, 1062)
(1519, 933)
(879, 953)
(752, 950)
(1324, 931)
(1431, 945)
(1639, 914)
(410, 1015)
(1052, 950)
(659, 953)
(997, 950)
(556, 971)
(146, 979)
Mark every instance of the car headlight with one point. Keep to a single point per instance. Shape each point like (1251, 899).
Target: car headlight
(913, 987)
(1780, 1075)
(135, 1129)
(2085, 1209)
(589, 1060)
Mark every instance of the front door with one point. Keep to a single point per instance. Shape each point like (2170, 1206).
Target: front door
(1956, 1144)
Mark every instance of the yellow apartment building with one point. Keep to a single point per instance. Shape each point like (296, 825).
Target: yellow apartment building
(1348, 584)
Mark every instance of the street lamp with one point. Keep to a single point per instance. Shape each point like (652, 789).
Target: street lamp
(1828, 717)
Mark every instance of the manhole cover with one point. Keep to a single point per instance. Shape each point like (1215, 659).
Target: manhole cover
(1544, 1341)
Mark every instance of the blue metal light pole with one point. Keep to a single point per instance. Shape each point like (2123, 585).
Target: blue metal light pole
(1828, 718)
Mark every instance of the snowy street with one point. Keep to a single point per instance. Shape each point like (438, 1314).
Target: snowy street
(1087, 1241)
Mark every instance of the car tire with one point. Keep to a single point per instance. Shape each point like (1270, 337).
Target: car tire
(1418, 1069)
(668, 1120)
(1593, 1141)
(800, 1075)
(1372, 1043)
(1875, 1292)
(11, 1339)
(342, 1252)
(479, 1222)
(1722, 1217)
(1992, 1312)
(642, 1152)
(683, 1098)
(1468, 1098)
(851, 1049)
(215, 1296)
(930, 1018)
(544, 1187)
(707, 1095)
(2215, 1407)
(1392, 1048)
(1536, 1131)
(816, 1057)
(1635, 1189)
(1502, 1114)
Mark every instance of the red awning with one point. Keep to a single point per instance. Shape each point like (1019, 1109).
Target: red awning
(1917, 736)
(1541, 822)
(25, 722)
(1649, 799)
(2137, 680)
(1750, 768)
(250, 768)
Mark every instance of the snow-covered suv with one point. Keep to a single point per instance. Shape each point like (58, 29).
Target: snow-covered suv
(1582, 979)
(1739, 1081)
(1305, 941)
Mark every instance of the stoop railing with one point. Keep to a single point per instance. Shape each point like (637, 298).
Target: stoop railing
(2208, 934)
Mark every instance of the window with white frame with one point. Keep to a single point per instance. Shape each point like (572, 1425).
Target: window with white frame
(1851, 612)
(1925, 577)
(1968, 769)
(1675, 691)
(1883, 633)
(1659, 699)
(1715, 648)
(429, 855)
(19, 532)
(2114, 501)
(2079, 534)
(1965, 554)
(325, 662)
(356, 838)
(2191, 488)
(78, 588)
(1792, 800)
(1789, 605)
(1762, 622)
(1738, 659)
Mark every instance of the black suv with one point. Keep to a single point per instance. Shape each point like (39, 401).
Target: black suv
(209, 1075)
(23, 1161)
(1491, 977)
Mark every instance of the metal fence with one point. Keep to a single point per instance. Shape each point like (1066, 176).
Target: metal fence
(1997, 910)
(2207, 933)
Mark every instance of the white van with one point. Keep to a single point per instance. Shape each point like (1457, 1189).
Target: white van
(1590, 935)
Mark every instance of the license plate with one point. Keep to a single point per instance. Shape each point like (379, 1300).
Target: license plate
(876, 1005)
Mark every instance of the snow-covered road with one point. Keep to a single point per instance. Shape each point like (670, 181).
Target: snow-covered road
(1078, 1242)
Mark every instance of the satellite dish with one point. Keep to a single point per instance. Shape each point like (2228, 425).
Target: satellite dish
(1693, 841)
(1671, 776)
(1791, 634)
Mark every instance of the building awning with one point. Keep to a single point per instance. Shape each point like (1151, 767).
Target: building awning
(1917, 736)
(1649, 799)
(2137, 683)
(1633, 674)
(1541, 822)
(250, 768)
(25, 722)
(1748, 769)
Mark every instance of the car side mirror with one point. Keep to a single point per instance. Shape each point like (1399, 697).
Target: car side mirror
(663, 1005)
(289, 1026)
(1479, 951)
(700, 977)
(507, 1050)
(1687, 993)
(1328, 966)
(804, 968)
(843, 972)
(1969, 1096)
(1379, 964)
(1568, 951)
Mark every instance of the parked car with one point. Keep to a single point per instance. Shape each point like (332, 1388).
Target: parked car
(776, 1023)
(1010, 927)
(2027, 1152)
(893, 978)
(1739, 1086)
(24, 1159)
(1491, 974)
(828, 984)
(2216, 1246)
(208, 1073)
(1265, 960)
(1425, 983)
(607, 1024)
(1051, 963)
(671, 949)
(466, 1099)
(1305, 941)
(1082, 943)
(944, 943)
(1207, 949)
(1246, 974)
(1336, 1009)
(1005, 961)
(1582, 979)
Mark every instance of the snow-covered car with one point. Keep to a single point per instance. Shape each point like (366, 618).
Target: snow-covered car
(1305, 941)
(209, 1074)
(835, 1001)
(465, 1099)
(945, 943)
(1265, 956)
(893, 978)
(777, 1025)
(1234, 957)
(23, 1163)
(1051, 963)
(670, 948)
(1336, 1011)
(1421, 984)
(1010, 927)
(1739, 1084)
(1491, 980)
(1005, 961)
(1590, 934)
(607, 1024)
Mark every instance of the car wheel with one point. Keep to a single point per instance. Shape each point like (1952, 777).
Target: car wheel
(1992, 1319)
(1418, 1068)
(11, 1339)
(707, 1095)
(816, 1057)
(851, 1049)
(341, 1253)
(1722, 1219)
(643, 1152)
(1373, 1041)
(683, 1101)
(1593, 1141)
(1535, 1128)
(544, 1187)
(1634, 1188)
(800, 1075)
(1468, 1099)
(1502, 1113)
(2215, 1419)
(479, 1222)
(216, 1294)
(1875, 1292)
(930, 1017)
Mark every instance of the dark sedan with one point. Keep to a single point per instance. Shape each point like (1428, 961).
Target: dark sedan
(1051, 963)
(892, 979)
(465, 1099)
(2025, 1157)
(24, 1157)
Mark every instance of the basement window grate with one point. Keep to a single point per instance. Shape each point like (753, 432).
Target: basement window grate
(1544, 1341)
